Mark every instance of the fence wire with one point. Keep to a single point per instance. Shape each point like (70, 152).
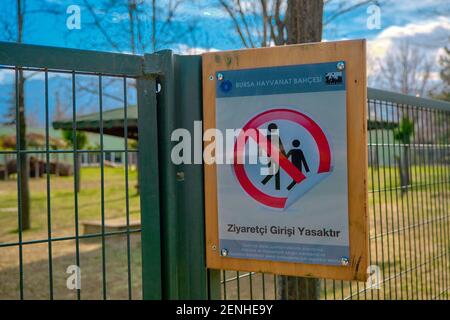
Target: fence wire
(408, 188)
(41, 173)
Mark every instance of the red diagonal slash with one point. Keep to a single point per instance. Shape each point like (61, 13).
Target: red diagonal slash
(281, 160)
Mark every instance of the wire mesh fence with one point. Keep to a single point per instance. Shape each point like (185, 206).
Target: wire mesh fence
(60, 220)
(57, 213)
(408, 186)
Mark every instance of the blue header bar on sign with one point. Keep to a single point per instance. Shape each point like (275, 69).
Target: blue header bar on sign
(316, 77)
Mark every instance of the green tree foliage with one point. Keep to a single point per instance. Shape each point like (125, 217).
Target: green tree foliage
(81, 138)
(403, 134)
(404, 131)
(81, 142)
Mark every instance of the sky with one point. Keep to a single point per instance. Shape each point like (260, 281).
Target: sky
(423, 23)
(425, 20)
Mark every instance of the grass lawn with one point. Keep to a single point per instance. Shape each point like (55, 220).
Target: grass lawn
(409, 239)
(62, 204)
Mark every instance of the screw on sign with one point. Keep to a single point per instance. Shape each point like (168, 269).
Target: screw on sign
(292, 123)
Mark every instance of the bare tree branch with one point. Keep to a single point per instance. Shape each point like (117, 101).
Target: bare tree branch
(237, 24)
(347, 9)
(99, 26)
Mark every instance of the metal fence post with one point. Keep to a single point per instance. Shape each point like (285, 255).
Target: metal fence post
(149, 188)
(183, 271)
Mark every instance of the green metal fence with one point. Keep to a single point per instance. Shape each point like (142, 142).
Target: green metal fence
(163, 255)
(55, 241)
(409, 220)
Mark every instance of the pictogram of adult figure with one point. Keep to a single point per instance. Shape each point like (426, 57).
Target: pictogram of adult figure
(272, 128)
(298, 160)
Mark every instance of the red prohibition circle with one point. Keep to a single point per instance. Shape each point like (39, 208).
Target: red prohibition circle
(278, 114)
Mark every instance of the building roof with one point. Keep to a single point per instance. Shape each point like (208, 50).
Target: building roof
(113, 122)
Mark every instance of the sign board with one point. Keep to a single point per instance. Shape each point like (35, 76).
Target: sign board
(291, 195)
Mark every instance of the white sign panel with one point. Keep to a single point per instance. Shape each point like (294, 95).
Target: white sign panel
(291, 207)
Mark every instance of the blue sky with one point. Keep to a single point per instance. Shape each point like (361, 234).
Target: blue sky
(213, 26)
(426, 23)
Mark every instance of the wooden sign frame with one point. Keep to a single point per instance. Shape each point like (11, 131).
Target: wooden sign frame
(353, 53)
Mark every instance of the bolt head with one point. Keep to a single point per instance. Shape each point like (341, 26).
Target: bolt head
(220, 76)
(340, 65)
(224, 252)
(180, 176)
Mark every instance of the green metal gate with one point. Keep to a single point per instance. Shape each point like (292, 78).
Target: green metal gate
(47, 63)
(409, 222)
(168, 89)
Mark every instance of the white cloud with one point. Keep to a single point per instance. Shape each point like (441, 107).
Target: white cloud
(185, 49)
(431, 36)
(6, 76)
(428, 37)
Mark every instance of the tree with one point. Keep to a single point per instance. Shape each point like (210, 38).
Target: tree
(81, 142)
(149, 25)
(14, 29)
(444, 62)
(280, 22)
(403, 134)
(405, 69)
(21, 123)
(443, 119)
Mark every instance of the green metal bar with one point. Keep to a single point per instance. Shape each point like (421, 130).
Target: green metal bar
(193, 276)
(238, 285)
(106, 63)
(416, 217)
(250, 283)
(59, 239)
(75, 180)
(19, 179)
(184, 275)
(445, 186)
(224, 277)
(65, 151)
(402, 99)
(391, 199)
(375, 255)
(439, 203)
(214, 290)
(149, 189)
(127, 196)
(263, 280)
(394, 108)
(430, 170)
(47, 164)
(170, 236)
(385, 206)
(102, 185)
